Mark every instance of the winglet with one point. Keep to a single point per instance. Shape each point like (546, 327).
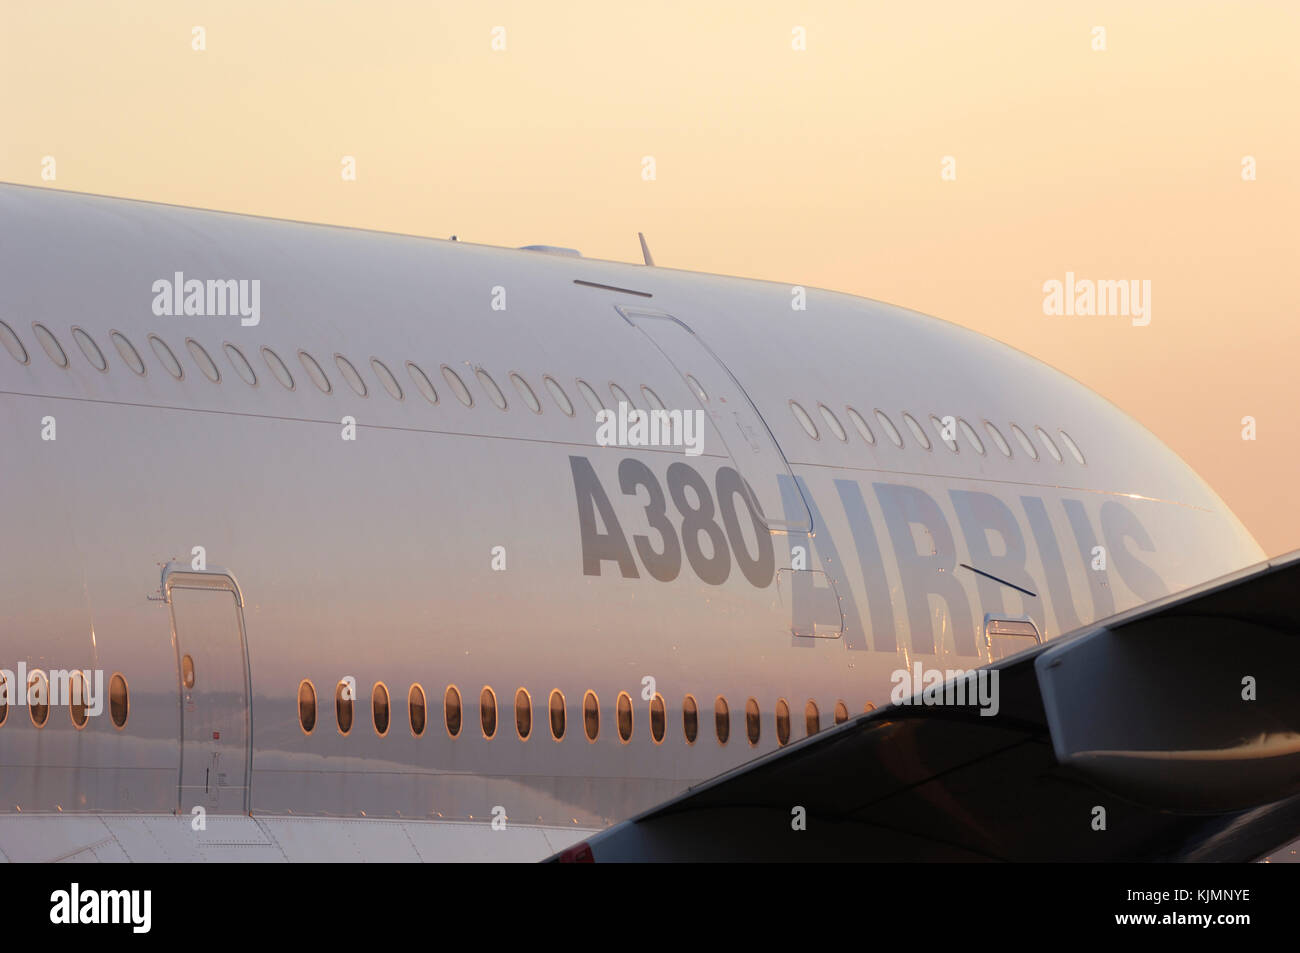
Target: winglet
(645, 249)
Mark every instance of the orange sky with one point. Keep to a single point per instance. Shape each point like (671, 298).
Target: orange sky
(819, 166)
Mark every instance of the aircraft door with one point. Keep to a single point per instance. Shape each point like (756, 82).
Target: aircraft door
(744, 433)
(212, 657)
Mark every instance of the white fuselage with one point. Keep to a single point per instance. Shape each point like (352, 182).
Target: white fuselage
(470, 546)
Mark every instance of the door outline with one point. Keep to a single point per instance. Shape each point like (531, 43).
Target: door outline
(990, 625)
(178, 575)
(782, 526)
(787, 589)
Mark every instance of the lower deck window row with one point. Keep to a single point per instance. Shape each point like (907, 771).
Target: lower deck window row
(454, 714)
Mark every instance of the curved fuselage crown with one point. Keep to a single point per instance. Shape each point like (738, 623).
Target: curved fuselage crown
(384, 441)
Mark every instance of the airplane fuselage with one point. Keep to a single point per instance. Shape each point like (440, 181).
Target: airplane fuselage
(288, 531)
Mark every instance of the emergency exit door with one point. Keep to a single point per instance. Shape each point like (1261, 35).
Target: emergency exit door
(737, 422)
(212, 660)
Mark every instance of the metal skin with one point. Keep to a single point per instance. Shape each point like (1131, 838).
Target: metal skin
(376, 558)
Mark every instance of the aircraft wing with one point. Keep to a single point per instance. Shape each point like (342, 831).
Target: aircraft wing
(1169, 732)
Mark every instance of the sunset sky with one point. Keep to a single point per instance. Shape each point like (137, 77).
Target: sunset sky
(817, 166)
